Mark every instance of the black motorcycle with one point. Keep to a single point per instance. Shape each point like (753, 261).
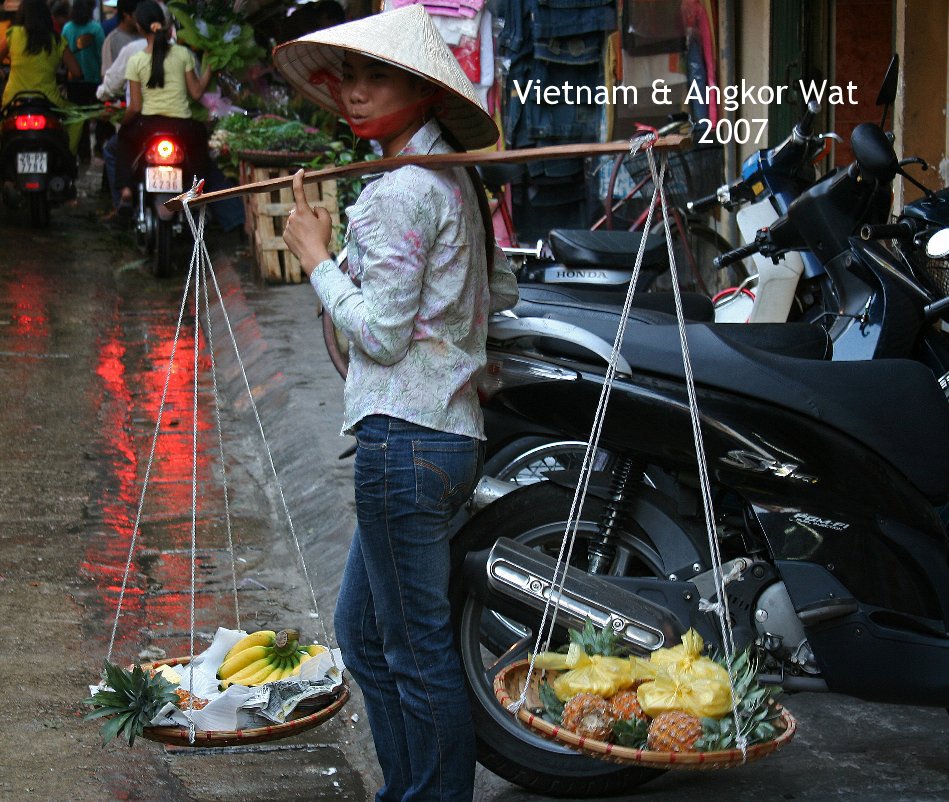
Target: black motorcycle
(830, 482)
(161, 169)
(36, 165)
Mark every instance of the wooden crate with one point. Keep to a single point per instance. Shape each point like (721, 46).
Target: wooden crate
(265, 215)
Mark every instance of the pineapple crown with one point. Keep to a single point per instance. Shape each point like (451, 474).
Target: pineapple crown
(131, 700)
(593, 642)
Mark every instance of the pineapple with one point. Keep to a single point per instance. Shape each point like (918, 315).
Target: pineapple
(590, 716)
(625, 705)
(674, 731)
(754, 711)
(132, 699)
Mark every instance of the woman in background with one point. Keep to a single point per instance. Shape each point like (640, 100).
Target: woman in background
(36, 52)
(161, 80)
(84, 36)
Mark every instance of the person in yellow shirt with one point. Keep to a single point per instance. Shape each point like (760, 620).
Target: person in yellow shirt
(161, 79)
(35, 52)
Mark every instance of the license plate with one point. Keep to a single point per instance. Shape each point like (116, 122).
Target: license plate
(31, 162)
(163, 179)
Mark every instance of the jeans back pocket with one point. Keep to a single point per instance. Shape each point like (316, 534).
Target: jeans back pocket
(446, 471)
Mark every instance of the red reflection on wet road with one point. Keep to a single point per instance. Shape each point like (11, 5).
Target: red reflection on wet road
(28, 298)
(133, 366)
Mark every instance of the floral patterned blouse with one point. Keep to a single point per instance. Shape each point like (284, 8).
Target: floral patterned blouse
(416, 300)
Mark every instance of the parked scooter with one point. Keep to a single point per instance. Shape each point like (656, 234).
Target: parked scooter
(769, 181)
(36, 165)
(829, 480)
(160, 170)
(793, 287)
(879, 308)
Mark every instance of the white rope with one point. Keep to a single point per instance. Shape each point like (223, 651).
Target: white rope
(148, 465)
(220, 439)
(194, 475)
(200, 246)
(720, 608)
(559, 578)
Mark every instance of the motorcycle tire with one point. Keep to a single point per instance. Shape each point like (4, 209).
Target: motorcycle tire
(694, 257)
(535, 515)
(161, 262)
(39, 210)
(528, 459)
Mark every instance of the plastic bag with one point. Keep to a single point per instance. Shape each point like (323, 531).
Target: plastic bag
(684, 680)
(603, 676)
(676, 690)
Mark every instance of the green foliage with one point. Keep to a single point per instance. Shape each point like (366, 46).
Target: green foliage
(132, 700)
(593, 642)
(552, 706)
(226, 41)
(631, 733)
(271, 133)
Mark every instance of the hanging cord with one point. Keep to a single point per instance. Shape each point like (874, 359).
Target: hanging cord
(196, 267)
(220, 440)
(559, 578)
(148, 465)
(201, 247)
(720, 607)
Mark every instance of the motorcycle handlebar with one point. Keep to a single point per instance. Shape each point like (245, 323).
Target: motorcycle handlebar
(736, 255)
(805, 126)
(703, 204)
(902, 230)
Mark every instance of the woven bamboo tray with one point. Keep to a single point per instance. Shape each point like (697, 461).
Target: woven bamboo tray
(279, 158)
(509, 684)
(327, 707)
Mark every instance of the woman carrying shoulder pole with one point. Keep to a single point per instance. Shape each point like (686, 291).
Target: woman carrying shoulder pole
(424, 274)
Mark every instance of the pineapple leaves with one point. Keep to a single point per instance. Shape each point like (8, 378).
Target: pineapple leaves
(132, 699)
(593, 642)
(553, 707)
(631, 733)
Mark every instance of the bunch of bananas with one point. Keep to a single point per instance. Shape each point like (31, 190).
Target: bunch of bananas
(265, 656)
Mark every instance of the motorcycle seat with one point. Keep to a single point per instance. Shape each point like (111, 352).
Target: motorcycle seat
(495, 176)
(866, 400)
(581, 247)
(575, 304)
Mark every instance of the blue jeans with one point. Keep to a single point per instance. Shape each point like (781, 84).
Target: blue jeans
(393, 619)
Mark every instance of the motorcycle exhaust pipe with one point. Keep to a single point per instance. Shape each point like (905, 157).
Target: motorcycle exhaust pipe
(519, 581)
(487, 491)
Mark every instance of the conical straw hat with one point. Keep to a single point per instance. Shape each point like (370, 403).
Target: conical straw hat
(406, 38)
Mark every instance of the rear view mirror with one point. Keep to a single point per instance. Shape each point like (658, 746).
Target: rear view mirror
(887, 95)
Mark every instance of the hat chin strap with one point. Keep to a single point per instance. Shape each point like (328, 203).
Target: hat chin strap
(378, 127)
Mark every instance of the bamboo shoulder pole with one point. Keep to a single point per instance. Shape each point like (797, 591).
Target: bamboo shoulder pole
(437, 160)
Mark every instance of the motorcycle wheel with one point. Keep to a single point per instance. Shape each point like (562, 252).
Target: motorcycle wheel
(694, 254)
(488, 642)
(161, 263)
(39, 210)
(529, 459)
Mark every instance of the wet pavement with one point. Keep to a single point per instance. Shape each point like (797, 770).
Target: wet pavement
(86, 336)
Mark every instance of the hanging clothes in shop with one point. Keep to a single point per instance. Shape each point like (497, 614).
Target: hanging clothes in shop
(556, 44)
(698, 23)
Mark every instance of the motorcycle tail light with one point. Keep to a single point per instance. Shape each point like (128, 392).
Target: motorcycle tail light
(30, 122)
(504, 372)
(164, 151)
